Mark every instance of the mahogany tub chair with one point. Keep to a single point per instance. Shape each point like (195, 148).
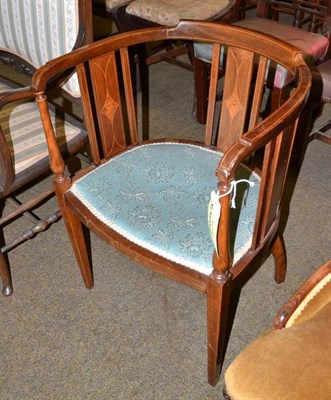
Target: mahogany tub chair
(292, 361)
(150, 199)
(310, 32)
(31, 32)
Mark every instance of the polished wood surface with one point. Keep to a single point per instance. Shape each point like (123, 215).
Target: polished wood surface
(300, 294)
(113, 130)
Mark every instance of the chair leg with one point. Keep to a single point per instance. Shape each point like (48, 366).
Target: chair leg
(76, 230)
(7, 289)
(279, 96)
(5, 275)
(279, 253)
(77, 234)
(301, 140)
(218, 298)
(201, 89)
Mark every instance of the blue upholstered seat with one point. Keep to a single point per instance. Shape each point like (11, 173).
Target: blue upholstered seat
(157, 196)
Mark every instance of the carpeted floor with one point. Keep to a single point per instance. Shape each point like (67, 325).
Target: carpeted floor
(137, 335)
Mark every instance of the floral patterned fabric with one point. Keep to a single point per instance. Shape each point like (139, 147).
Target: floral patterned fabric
(43, 29)
(169, 12)
(157, 196)
(21, 124)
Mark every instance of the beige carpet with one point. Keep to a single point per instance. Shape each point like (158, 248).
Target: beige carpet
(137, 335)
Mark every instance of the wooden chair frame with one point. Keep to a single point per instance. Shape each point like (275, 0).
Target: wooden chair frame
(96, 63)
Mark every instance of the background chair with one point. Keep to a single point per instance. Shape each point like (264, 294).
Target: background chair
(245, 6)
(148, 13)
(150, 199)
(291, 361)
(323, 93)
(31, 32)
(114, 10)
(310, 32)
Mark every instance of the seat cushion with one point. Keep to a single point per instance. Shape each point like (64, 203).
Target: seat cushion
(288, 364)
(169, 12)
(21, 124)
(157, 196)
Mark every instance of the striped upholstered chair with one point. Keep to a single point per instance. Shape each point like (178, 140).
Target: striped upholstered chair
(32, 32)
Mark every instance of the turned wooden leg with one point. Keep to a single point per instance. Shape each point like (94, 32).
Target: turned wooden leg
(218, 298)
(279, 253)
(7, 289)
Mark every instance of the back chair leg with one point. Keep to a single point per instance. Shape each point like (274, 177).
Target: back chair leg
(218, 299)
(201, 89)
(305, 126)
(7, 289)
(5, 275)
(279, 253)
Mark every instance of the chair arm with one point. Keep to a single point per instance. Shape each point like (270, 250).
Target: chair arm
(268, 129)
(306, 292)
(12, 95)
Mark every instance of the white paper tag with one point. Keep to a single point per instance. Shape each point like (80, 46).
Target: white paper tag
(214, 214)
(214, 208)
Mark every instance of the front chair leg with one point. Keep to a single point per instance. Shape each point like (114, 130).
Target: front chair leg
(76, 233)
(218, 299)
(279, 253)
(7, 289)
